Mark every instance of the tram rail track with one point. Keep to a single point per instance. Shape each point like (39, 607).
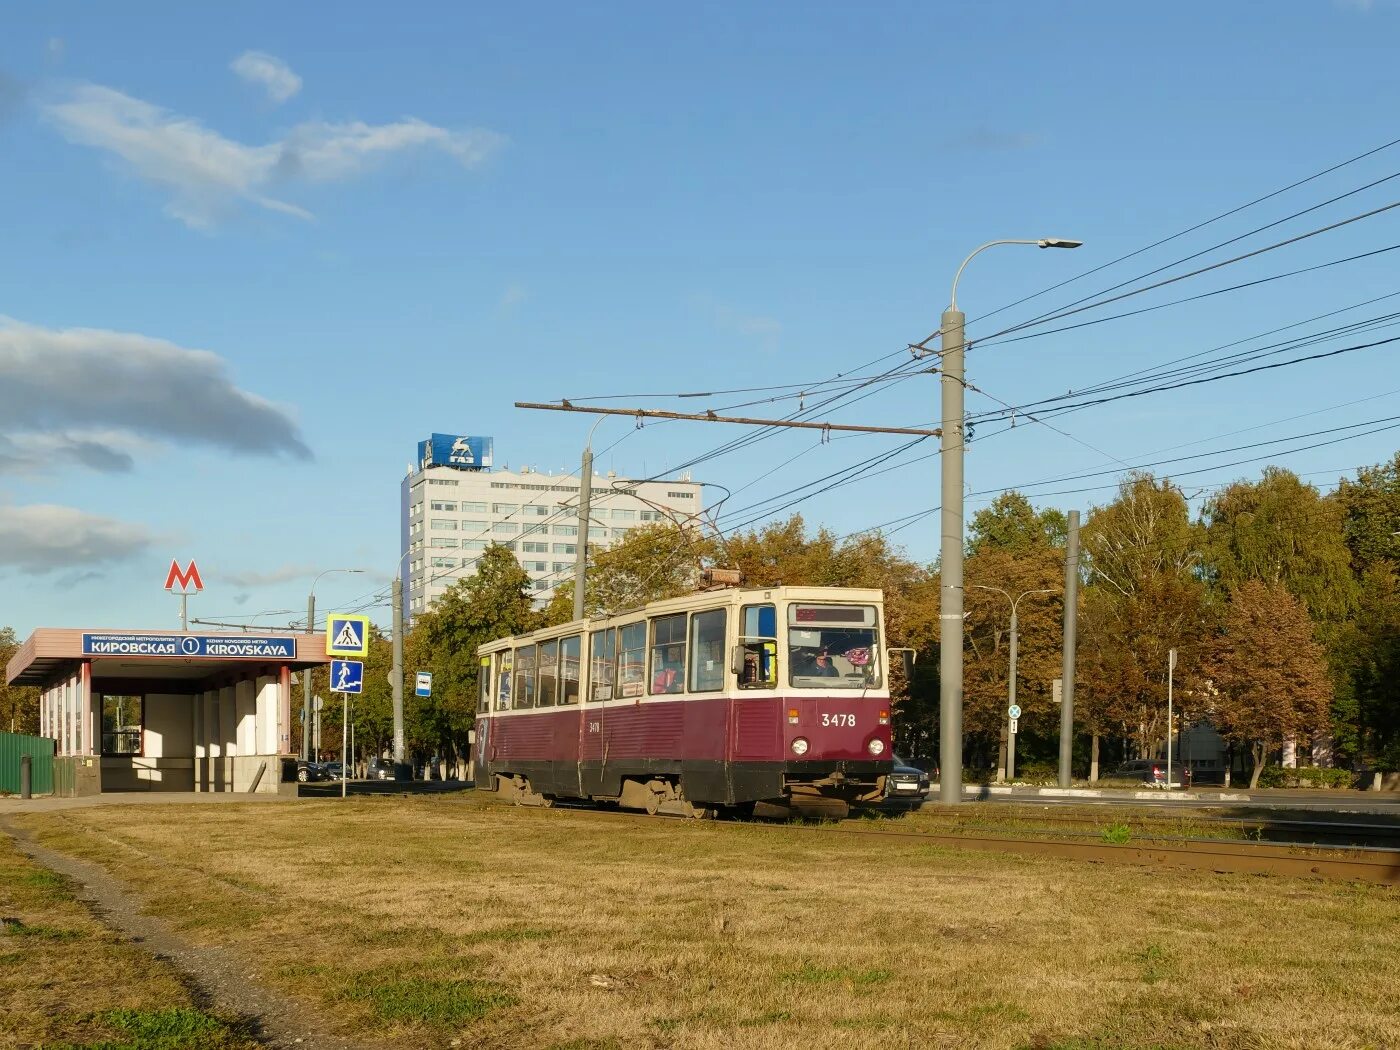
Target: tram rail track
(1221, 856)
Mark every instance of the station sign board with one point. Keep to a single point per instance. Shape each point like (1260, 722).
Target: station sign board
(242, 647)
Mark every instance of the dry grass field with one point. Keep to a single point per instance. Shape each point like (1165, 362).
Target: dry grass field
(453, 921)
(66, 981)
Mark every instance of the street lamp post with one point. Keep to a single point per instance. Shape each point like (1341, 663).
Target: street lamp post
(585, 511)
(1011, 681)
(306, 675)
(950, 591)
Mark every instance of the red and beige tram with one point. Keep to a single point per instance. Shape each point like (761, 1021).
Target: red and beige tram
(775, 698)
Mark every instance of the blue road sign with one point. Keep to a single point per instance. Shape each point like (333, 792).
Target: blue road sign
(241, 647)
(1014, 711)
(347, 676)
(423, 683)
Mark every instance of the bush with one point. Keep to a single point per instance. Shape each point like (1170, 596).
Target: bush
(1388, 761)
(1305, 777)
(1037, 773)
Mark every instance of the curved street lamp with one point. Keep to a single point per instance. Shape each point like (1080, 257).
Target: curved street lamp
(1011, 681)
(950, 591)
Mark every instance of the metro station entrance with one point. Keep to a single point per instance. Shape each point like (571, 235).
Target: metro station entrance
(167, 711)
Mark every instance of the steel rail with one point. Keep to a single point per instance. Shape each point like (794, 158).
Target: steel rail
(1380, 867)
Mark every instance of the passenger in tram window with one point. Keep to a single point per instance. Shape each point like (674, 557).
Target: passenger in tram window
(670, 673)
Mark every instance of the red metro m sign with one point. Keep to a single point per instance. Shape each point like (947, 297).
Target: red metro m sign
(187, 578)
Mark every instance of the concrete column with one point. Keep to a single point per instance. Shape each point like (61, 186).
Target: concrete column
(246, 704)
(228, 748)
(213, 749)
(266, 714)
(197, 733)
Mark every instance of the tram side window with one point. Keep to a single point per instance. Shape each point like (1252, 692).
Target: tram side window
(504, 680)
(483, 684)
(569, 649)
(758, 644)
(632, 659)
(603, 647)
(668, 654)
(525, 677)
(707, 651)
(549, 674)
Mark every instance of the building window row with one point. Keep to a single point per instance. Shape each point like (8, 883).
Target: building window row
(681, 495)
(443, 481)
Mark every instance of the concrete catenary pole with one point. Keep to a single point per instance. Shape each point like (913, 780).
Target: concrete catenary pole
(1011, 701)
(951, 446)
(950, 590)
(306, 684)
(396, 681)
(585, 510)
(1067, 667)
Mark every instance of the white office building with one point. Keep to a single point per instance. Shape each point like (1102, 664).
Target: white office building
(454, 504)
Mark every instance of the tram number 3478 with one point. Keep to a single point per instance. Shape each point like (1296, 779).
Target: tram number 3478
(847, 720)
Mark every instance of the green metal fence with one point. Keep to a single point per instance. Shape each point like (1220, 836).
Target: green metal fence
(12, 746)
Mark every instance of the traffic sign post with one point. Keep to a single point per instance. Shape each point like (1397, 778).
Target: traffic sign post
(1013, 713)
(423, 683)
(347, 677)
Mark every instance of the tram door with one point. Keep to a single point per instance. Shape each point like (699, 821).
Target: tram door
(593, 713)
(482, 743)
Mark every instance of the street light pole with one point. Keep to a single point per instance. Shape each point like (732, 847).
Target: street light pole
(950, 591)
(306, 675)
(585, 512)
(1011, 682)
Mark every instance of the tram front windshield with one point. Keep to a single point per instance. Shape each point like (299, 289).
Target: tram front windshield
(833, 646)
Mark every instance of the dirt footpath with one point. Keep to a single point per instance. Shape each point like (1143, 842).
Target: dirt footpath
(220, 981)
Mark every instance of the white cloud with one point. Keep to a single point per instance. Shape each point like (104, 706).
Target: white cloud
(207, 175)
(43, 538)
(53, 380)
(268, 72)
(255, 578)
(513, 296)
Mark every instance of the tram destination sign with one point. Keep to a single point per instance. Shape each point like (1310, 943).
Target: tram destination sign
(243, 647)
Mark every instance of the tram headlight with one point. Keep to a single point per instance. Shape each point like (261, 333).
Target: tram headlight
(876, 747)
(799, 745)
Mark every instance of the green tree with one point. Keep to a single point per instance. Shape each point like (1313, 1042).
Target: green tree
(19, 705)
(1144, 597)
(1010, 523)
(493, 603)
(1280, 530)
(1268, 677)
(1371, 514)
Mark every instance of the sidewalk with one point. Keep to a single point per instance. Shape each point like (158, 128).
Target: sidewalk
(1271, 797)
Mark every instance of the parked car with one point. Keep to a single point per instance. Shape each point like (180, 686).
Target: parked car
(309, 771)
(1152, 772)
(380, 769)
(906, 785)
(334, 770)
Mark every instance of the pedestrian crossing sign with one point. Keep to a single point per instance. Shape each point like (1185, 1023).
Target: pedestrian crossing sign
(347, 635)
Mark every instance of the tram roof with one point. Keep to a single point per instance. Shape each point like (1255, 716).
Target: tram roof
(718, 597)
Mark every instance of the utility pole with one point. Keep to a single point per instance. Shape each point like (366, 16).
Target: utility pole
(1171, 667)
(585, 509)
(950, 563)
(1067, 666)
(306, 683)
(396, 681)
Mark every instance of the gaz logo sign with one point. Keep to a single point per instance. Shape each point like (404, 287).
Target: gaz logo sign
(187, 578)
(347, 635)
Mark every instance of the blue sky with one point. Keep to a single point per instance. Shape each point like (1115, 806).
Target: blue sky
(253, 254)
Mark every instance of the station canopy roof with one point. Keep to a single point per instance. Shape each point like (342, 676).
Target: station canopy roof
(52, 653)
